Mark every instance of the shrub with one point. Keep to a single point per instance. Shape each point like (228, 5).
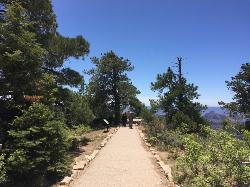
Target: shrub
(81, 129)
(77, 110)
(155, 127)
(213, 161)
(184, 124)
(76, 136)
(163, 138)
(38, 146)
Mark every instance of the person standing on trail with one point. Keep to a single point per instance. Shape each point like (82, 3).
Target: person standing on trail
(131, 120)
(124, 119)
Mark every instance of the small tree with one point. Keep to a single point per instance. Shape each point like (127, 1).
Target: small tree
(176, 97)
(37, 146)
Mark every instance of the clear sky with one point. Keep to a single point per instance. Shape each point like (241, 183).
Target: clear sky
(213, 37)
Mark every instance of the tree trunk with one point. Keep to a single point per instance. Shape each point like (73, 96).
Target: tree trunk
(117, 102)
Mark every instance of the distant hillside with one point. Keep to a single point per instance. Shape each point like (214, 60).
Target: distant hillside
(217, 110)
(215, 115)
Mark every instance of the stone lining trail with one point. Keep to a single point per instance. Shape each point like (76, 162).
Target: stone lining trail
(123, 162)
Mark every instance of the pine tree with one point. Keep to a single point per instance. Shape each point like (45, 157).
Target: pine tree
(20, 63)
(176, 98)
(110, 86)
(37, 147)
(240, 85)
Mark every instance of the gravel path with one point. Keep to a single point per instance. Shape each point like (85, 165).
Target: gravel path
(122, 162)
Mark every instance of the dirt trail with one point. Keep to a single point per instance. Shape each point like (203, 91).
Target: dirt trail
(123, 162)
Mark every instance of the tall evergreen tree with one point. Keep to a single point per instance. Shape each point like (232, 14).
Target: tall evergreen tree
(109, 87)
(32, 56)
(20, 63)
(31, 35)
(176, 98)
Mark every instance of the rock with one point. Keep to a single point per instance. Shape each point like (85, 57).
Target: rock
(154, 152)
(88, 157)
(148, 144)
(66, 180)
(74, 173)
(157, 157)
(103, 143)
(93, 155)
(80, 165)
(105, 140)
(166, 169)
(152, 149)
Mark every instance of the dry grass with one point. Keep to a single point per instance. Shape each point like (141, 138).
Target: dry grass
(94, 140)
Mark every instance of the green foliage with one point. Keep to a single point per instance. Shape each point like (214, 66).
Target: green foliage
(146, 114)
(176, 95)
(32, 56)
(38, 145)
(21, 55)
(246, 137)
(155, 127)
(213, 161)
(81, 129)
(166, 140)
(183, 124)
(2, 170)
(240, 85)
(228, 126)
(47, 87)
(110, 89)
(136, 106)
(61, 49)
(77, 136)
(41, 14)
(77, 110)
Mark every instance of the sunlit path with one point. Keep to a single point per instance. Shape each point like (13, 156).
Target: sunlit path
(123, 162)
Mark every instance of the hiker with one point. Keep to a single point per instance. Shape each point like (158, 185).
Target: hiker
(131, 120)
(124, 119)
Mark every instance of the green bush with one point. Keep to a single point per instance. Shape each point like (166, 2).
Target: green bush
(38, 146)
(81, 129)
(76, 136)
(213, 161)
(163, 138)
(77, 110)
(184, 124)
(154, 127)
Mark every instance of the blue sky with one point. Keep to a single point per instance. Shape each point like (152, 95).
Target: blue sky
(213, 37)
